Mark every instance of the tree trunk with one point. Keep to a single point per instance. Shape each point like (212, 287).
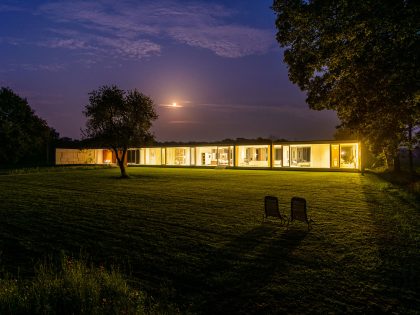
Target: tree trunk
(387, 166)
(410, 150)
(122, 169)
(397, 164)
(120, 162)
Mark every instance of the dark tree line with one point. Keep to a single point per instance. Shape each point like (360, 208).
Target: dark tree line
(25, 138)
(361, 59)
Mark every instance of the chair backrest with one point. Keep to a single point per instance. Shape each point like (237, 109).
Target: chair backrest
(271, 206)
(298, 209)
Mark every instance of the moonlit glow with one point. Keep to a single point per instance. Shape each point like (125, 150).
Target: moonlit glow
(174, 104)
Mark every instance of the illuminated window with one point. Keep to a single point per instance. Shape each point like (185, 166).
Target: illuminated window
(163, 151)
(277, 156)
(192, 155)
(320, 155)
(133, 156)
(300, 156)
(286, 152)
(153, 156)
(206, 156)
(253, 156)
(178, 156)
(348, 155)
(335, 156)
(225, 156)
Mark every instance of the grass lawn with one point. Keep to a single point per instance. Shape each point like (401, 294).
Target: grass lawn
(196, 238)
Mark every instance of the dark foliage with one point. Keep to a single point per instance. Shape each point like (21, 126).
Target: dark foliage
(360, 58)
(25, 139)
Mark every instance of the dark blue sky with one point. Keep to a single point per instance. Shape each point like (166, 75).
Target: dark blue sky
(218, 60)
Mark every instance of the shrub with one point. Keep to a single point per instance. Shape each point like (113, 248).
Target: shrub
(74, 288)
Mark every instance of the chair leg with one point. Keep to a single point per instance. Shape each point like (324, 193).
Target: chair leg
(309, 224)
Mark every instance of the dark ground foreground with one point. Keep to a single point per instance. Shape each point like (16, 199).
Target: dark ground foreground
(196, 238)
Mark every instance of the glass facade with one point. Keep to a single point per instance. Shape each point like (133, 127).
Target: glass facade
(349, 155)
(327, 155)
(335, 156)
(345, 155)
(178, 156)
(300, 156)
(286, 155)
(192, 155)
(320, 155)
(277, 156)
(253, 155)
(153, 156)
(133, 156)
(206, 156)
(225, 156)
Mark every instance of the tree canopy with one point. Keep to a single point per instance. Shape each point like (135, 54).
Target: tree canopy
(118, 120)
(360, 58)
(24, 137)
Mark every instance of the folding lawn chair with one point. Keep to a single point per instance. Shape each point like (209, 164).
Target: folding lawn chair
(271, 209)
(299, 211)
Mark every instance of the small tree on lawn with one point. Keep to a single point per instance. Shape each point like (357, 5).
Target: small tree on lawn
(118, 120)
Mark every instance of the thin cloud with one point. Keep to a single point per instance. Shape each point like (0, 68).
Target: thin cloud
(10, 8)
(185, 122)
(12, 41)
(171, 106)
(104, 46)
(41, 67)
(236, 107)
(65, 43)
(275, 109)
(133, 29)
(108, 17)
(132, 49)
(225, 41)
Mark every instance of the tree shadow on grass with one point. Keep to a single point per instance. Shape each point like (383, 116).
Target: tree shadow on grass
(236, 276)
(396, 276)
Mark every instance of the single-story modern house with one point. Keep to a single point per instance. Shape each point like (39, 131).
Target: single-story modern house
(322, 155)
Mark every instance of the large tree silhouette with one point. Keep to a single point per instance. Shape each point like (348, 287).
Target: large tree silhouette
(118, 120)
(360, 58)
(25, 139)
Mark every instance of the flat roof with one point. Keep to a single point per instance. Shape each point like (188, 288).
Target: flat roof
(223, 144)
(244, 143)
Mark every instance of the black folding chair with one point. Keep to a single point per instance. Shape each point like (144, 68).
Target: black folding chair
(271, 209)
(299, 211)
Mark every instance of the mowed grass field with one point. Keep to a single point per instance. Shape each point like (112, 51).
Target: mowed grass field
(195, 237)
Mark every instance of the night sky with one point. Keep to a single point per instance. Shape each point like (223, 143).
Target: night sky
(218, 60)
